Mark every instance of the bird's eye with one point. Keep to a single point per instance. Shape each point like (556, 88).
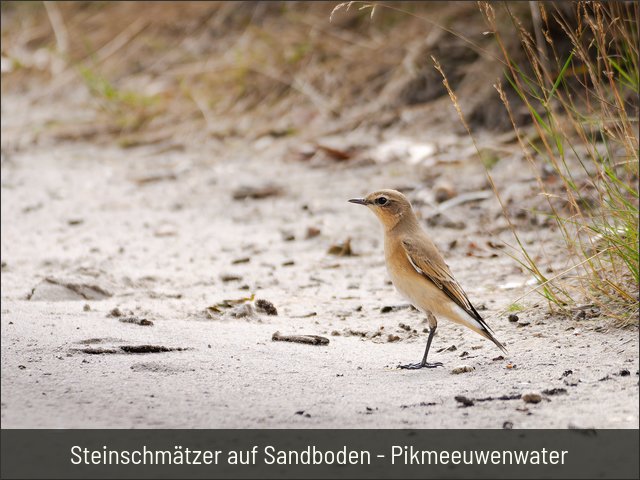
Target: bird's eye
(381, 200)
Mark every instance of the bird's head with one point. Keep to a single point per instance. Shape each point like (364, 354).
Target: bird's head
(390, 206)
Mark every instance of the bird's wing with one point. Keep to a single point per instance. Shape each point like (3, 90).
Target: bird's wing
(426, 259)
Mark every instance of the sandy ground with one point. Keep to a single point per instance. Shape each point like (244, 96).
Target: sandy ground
(155, 232)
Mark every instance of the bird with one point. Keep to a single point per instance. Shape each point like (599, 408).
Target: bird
(418, 270)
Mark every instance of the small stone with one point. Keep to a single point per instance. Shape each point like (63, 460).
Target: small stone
(87, 307)
(444, 191)
(241, 260)
(507, 425)
(266, 306)
(137, 321)
(513, 317)
(465, 401)
(341, 249)
(230, 277)
(462, 369)
(532, 398)
(554, 391)
(312, 232)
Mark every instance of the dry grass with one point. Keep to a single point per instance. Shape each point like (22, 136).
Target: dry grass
(584, 107)
(214, 68)
(583, 103)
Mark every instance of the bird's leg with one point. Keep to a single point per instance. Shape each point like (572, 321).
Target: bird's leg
(433, 324)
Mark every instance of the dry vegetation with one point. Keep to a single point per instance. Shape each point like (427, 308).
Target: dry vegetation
(584, 106)
(566, 77)
(220, 66)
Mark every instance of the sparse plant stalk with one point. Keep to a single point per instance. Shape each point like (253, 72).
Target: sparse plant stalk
(584, 109)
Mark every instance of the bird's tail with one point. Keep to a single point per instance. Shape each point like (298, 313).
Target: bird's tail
(489, 336)
(477, 324)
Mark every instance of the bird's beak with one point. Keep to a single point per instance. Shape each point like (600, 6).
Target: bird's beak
(359, 201)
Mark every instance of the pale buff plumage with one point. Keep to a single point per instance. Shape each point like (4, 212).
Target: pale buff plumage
(418, 270)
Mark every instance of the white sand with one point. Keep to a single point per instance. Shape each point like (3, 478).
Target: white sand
(160, 249)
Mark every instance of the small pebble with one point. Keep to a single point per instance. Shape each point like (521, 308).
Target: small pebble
(230, 277)
(554, 391)
(444, 191)
(241, 260)
(513, 317)
(312, 232)
(462, 369)
(532, 398)
(465, 401)
(266, 306)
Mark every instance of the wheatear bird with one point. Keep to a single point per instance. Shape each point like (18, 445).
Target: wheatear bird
(418, 270)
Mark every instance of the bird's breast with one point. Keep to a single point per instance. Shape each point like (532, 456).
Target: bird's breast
(412, 285)
(409, 283)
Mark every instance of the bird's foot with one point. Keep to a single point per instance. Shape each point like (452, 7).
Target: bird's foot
(418, 366)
